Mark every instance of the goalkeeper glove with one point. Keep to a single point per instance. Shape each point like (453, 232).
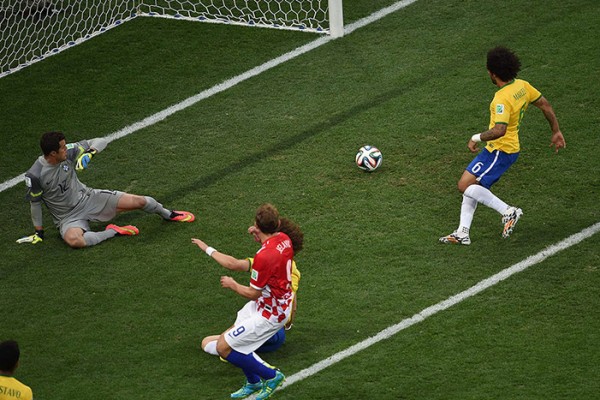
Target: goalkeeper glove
(37, 237)
(84, 160)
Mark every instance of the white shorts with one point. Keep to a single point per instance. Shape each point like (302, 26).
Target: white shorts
(250, 330)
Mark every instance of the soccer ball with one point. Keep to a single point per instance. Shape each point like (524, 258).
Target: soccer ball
(368, 158)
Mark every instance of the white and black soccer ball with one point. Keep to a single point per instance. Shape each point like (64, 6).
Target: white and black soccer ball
(368, 158)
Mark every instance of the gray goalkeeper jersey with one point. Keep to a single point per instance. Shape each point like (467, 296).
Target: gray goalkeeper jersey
(58, 185)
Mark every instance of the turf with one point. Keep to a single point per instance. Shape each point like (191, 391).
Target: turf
(124, 319)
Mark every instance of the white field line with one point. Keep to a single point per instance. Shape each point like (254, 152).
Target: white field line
(443, 305)
(161, 115)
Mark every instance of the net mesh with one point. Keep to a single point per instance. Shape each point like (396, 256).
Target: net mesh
(31, 30)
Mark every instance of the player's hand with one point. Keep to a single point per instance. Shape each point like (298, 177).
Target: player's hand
(203, 246)
(84, 160)
(253, 230)
(472, 145)
(558, 141)
(37, 237)
(228, 282)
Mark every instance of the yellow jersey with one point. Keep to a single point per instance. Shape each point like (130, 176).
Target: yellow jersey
(12, 389)
(508, 107)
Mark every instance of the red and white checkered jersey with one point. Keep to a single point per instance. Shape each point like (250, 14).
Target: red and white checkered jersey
(272, 274)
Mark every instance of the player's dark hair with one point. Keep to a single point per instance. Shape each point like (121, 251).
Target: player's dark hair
(9, 356)
(50, 142)
(267, 218)
(296, 235)
(504, 63)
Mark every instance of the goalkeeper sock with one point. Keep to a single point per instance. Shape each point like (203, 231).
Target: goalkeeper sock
(93, 238)
(154, 207)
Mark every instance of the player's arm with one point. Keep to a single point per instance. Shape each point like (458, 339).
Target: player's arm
(497, 131)
(34, 195)
(557, 140)
(36, 217)
(82, 152)
(97, 144)
(244, 291)
(225, 260)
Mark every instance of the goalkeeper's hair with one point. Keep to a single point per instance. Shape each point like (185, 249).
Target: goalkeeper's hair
(50, 142)
(504, 63)
(9, 356)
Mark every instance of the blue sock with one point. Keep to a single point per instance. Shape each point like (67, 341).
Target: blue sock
(250, 365)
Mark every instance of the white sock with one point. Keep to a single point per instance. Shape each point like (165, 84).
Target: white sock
(486, 197)
(467, 211)
(211, 348)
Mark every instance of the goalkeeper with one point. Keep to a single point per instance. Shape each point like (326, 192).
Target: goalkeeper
(52, 180)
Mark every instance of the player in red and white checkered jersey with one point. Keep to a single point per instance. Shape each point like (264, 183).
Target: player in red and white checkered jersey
(270, 294)
(272, 275)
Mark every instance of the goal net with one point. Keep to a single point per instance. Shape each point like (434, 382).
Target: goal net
(31, 30)
(285, 14)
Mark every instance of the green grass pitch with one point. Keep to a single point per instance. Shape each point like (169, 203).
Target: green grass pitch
(124, 320)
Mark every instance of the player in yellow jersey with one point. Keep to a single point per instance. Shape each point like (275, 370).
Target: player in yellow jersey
(10, 387)
(502, 149)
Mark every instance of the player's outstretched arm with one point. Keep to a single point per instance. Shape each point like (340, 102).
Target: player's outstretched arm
(87, 149)
(557, 140)
(98, 144)
(225, 260)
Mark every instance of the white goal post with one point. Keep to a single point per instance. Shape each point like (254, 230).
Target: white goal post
(31, 30)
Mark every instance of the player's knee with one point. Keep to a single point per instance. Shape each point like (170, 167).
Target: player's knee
(139, 201)
(74, 238)
(223, 348)
(131, 202)
(205, 341)
(463, 184)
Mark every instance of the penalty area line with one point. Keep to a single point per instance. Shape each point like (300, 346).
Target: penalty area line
(445, 304)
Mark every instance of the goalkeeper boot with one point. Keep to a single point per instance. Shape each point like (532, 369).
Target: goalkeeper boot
(457, 237)
(182, 216)
(247, 390)
(270, 385)
(510, 219)
(127, 230)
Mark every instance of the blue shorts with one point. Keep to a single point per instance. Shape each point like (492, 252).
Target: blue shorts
(489, 167)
